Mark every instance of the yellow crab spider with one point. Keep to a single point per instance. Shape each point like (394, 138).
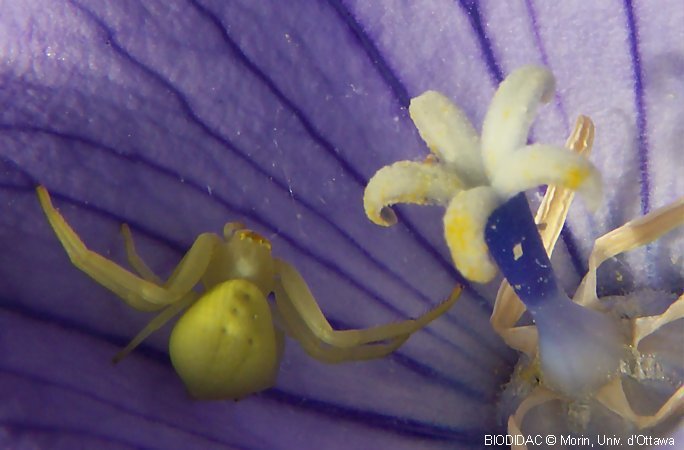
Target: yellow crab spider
(228, 343)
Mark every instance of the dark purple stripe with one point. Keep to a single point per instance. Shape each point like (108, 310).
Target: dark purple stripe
(642, 138)
(531, 11)
(374, 55)
(45, 380)
(472, 10)
(259, 74)
(395, 424)
(15, 430)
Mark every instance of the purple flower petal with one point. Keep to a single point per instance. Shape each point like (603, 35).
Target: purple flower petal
(176, 117)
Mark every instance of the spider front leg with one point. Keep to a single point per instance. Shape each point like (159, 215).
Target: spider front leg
(137, 292)
(305, 321)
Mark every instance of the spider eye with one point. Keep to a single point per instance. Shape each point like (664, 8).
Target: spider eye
(253, 237)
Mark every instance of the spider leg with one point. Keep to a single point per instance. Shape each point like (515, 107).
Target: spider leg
(156, 323)
(135, 260)
(305, 320)
(295, 326)
(137, 292)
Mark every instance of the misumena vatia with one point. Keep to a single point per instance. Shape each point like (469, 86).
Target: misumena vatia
(229, 342)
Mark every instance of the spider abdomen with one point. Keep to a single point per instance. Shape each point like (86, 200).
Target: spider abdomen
(225, 345)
